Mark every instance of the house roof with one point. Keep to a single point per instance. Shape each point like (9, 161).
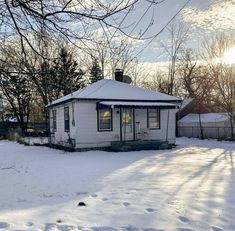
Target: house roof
(185, 103)
(107, 89)
(205, 118)
(128, 103)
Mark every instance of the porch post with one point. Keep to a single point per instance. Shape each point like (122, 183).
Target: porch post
(133, 115)
(120, 111)
(168, 111)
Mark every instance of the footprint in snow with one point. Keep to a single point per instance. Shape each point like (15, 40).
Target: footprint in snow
(60, 227)
(4, 225)
(183, 219)
(130, 228)
(21, 200)
(29, 224)
(104, 199)
(81, 193)
(94, 195)
(126, 204)
(216, 228)
(183, 229)
(105, 228)
(152, 229)
(150, 210)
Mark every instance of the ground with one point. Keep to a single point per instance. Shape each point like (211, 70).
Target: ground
(189, 188)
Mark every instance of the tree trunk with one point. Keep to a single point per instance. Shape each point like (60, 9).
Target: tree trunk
(231, 125)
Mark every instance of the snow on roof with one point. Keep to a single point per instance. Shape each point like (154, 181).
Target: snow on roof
(185, 102)
(111, 89)
(126, 103)
(205, 118)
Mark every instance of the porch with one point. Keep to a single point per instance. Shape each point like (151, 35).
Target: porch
(138, 145)
(141, 125)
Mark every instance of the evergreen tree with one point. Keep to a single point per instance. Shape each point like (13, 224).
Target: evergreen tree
(95, 71)
(66, 76)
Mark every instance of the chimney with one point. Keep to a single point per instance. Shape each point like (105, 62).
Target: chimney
(118, 73)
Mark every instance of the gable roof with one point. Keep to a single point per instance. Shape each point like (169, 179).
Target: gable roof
(185, 103)
(107, 89)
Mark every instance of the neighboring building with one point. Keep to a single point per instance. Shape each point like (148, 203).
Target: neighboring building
(214, 125)
(110, 111)
(191, 105)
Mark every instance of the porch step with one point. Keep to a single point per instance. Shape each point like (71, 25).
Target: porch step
(126, 146)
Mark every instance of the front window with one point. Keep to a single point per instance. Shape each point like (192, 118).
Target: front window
(154, 118)
(127, 116)
(66, 119)
(104, 119)
(54, 120)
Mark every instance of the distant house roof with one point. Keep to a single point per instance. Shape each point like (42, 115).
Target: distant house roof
(205, 118)
(107, 89)
(185, 103)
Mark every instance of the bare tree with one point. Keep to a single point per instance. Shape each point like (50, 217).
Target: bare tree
(16, 86)
(178, 35)
(196, 81)
(223, 74)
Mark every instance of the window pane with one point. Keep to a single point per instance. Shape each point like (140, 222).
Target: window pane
(105, 119)
(153, 118)
(105, 113)
(54, 119)
(127, 116)
(66, 119)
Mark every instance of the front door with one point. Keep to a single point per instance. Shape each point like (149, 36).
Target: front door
(127, 124)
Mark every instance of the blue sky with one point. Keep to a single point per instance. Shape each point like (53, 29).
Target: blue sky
(204, 18)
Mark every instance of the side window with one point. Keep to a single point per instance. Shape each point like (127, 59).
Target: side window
(153, 118)
(66, 119)
(54, 123)
(105, 119)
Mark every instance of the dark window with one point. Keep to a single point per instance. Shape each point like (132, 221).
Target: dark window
(66, 119)
(104, 120)
(154, 118)
(54, 125)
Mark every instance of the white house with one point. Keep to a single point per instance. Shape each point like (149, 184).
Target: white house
(110, 111)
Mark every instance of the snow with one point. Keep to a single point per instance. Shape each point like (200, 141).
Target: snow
(111, 89)
(188, 188)
(126, 103)
(205, 118)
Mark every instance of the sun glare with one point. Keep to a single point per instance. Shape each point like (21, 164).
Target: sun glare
(229, 55)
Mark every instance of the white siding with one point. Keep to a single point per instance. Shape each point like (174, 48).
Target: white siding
(60, 136)
(157, 134)
(86, 133)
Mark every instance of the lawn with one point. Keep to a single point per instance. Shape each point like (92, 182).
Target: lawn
(189, 188)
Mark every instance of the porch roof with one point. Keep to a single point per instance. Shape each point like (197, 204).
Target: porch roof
(131, 104)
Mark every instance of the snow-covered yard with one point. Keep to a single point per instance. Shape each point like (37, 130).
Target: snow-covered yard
(188, 188)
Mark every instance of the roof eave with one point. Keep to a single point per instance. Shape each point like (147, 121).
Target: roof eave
(99, 99)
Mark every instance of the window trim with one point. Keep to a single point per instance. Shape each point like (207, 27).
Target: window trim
(159, 116)
(98, 120)
(54, 122)
(66, 130)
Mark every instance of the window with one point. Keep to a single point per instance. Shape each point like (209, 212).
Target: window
(66, 119)
(127, 116)
(105, 119)
(54, 121)
(153, 118)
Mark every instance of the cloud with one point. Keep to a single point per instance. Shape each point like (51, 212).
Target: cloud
(219, 17)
